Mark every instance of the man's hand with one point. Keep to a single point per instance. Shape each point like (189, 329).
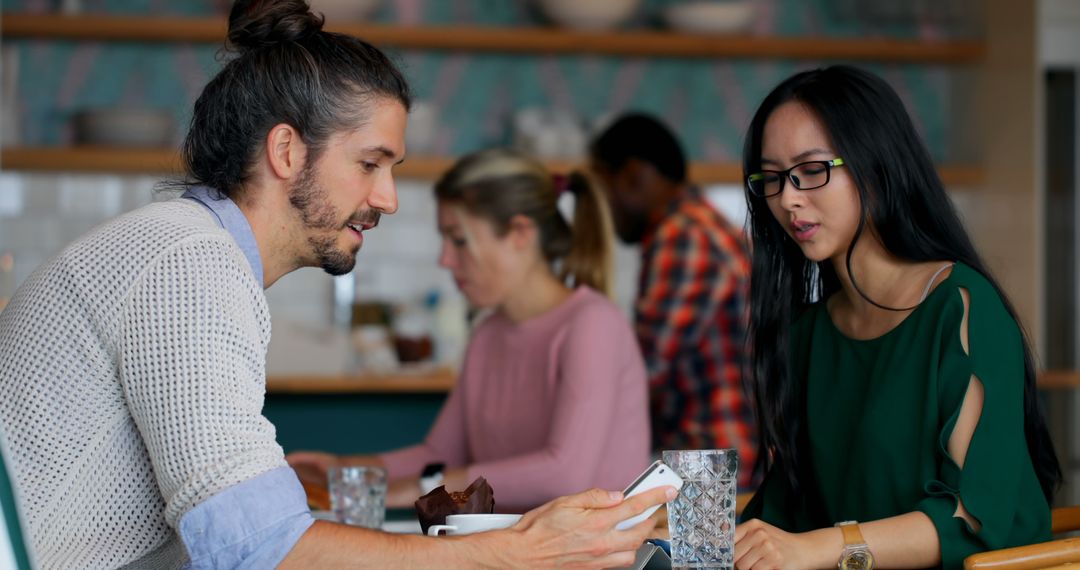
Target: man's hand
(571, 532)
(579, 531)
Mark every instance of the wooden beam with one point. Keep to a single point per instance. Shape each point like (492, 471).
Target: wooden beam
(495, 39)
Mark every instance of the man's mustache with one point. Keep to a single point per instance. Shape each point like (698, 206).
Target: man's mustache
(366, 218)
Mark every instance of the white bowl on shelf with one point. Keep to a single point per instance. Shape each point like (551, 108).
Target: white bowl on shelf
(590, 15)
(705, 17)
(127, 127)
(344, 11)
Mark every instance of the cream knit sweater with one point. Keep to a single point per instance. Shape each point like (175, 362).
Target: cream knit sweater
(131, 386)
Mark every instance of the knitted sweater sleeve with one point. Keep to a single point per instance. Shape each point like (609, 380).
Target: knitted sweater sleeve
(191, 350)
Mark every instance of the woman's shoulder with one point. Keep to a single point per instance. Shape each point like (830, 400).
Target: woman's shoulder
(968, 302)
(967, 277)
(594, 331)
(979, 300)
(587, 302)
(584, 308)
(591, 314)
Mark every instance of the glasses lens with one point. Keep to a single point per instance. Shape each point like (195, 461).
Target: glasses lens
(810, 175)
(764, 183)
(756, 184)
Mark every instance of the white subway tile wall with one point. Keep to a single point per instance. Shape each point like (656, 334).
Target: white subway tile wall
(40, 213)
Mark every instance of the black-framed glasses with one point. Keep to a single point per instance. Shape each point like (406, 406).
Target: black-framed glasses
(804, 176)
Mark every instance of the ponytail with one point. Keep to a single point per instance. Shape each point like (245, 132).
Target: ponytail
(590, 260)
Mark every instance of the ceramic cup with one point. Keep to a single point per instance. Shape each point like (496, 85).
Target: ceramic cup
(468, 524)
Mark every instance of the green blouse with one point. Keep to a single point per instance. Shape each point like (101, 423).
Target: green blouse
(879, 414)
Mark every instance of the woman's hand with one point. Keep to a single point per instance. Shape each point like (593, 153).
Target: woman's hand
(762, 546)
(311, 466)
(403, 493)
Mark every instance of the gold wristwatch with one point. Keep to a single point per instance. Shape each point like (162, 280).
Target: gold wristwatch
(856, 554)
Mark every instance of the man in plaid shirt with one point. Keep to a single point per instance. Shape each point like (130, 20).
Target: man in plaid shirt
(691, 311)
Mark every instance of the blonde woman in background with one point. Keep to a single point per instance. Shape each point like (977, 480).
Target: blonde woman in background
(552, 396)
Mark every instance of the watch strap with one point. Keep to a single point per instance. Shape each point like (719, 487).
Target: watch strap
(856, 554)
(852, 535)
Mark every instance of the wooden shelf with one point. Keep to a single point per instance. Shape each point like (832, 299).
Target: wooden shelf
(434, 381)
(1059, 379)
(509, 39)
(119, 160)
(164, 161)
(91, 159)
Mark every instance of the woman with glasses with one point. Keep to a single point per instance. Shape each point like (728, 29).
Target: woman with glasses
(892, 381)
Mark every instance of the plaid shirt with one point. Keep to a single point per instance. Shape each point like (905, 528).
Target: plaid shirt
(691, 317)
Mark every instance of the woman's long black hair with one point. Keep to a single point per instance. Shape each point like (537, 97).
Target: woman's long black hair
(904, 201)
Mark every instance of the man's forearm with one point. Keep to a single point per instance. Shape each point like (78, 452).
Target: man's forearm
(570, 532)
(329, 545)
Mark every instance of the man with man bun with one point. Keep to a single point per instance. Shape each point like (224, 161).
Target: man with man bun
(133, 363)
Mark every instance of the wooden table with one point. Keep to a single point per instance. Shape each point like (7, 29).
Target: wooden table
(319, 499)
(434, 380)
(1059, 379)
(440, 380)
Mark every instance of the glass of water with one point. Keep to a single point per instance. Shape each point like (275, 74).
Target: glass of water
(358, 495)
(702, 518)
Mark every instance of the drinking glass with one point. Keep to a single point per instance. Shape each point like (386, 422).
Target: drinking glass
(702, 518)
(358, 495)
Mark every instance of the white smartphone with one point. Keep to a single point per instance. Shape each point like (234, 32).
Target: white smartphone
(657, 475)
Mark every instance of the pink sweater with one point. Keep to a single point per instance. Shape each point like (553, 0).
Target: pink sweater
(544, 408)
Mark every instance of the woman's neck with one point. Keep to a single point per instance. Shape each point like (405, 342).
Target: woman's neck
(878, 275)
(883, 278)
(538, 292)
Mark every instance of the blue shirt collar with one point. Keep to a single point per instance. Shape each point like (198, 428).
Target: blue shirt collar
(232, 220)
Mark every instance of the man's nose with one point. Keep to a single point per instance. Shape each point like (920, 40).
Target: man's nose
(446, 256)
(384, 196)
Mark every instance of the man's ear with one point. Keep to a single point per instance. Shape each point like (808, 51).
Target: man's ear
(285, 151)
(523, 232)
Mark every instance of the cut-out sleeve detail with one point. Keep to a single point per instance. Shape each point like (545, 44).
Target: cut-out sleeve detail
(996, 478)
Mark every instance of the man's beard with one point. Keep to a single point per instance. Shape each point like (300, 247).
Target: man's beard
(312, 201)
(631, 226)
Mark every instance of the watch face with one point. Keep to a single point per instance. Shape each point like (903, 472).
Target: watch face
(432, 469)
(857, 560)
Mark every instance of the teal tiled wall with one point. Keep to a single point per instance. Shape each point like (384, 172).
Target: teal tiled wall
(708, 101)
